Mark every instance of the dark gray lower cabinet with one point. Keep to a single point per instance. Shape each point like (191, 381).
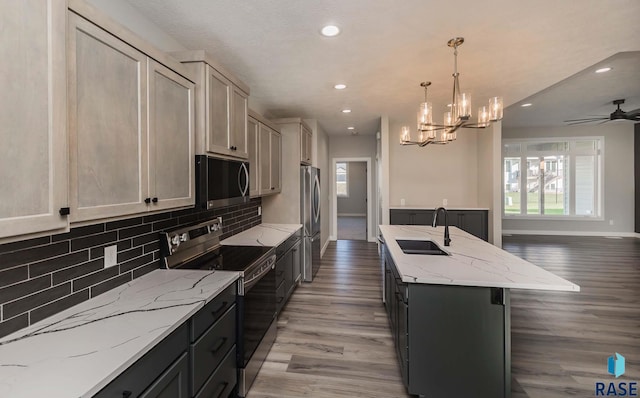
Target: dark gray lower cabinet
(475, 222)
(288, 270)
(153, 372)
(451, 341)
(198, 359)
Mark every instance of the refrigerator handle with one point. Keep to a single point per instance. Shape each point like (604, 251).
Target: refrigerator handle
(316, 205)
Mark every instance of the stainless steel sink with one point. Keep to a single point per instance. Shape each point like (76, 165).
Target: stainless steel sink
(424, 247)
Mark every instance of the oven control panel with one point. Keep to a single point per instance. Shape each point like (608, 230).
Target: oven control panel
(173, 241)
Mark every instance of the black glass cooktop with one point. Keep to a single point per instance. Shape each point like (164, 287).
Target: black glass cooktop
(230, 258)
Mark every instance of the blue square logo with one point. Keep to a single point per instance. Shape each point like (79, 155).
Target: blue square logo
(615, 365)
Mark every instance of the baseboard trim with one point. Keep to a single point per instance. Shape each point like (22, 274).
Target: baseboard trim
(324, 247)
(571, 233)
(352, 214)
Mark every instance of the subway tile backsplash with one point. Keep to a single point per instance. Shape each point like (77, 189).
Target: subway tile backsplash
(42, 276)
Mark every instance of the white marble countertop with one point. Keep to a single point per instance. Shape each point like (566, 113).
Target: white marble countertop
(263, 235)
(408, 207)
(77, 352)
(473, 262)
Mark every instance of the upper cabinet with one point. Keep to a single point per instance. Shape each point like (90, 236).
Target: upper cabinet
(130, 126)
(270, 152)
(222, 107)
(306, 139)
(33, 165)
(265, 156)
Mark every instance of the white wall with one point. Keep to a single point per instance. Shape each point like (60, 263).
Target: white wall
(618, 181)
(356, 202)
(425, 176)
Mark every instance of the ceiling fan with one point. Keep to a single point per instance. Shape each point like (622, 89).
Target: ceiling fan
(618, 114)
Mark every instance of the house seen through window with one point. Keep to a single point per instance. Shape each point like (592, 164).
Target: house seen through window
(342, 179)
(553, 177)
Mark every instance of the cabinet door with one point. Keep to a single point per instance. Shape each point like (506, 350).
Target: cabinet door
(238, 128)
(276, 162)
(475, 223)
(265, 160)
(33, 165)
(252, 150)
(305, 145)
(107, 123)
(171, 138)
(297, 262)
(218, 112)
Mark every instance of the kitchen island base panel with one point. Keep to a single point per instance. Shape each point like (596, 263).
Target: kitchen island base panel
(459, 341)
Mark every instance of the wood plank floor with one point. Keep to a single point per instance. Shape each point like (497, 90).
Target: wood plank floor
(334, 338)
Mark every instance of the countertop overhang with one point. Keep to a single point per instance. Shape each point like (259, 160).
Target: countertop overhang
(473, 262)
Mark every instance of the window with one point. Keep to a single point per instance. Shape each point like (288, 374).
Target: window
(553, 177)
(342, 179)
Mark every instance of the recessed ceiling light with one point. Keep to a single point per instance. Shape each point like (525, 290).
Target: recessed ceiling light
(602, 70)
(528, 104)
(330, 31)
(346, 111)
(350, 128)
(340, 86)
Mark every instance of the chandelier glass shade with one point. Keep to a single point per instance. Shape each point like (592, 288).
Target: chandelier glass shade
(458, 115)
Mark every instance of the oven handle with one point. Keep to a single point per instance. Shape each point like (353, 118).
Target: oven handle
(248, 283)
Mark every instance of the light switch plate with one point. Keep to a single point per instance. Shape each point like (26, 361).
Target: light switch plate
(110, 256)
(444, 202)
(259, 210)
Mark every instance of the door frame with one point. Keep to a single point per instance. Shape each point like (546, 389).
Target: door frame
(334, 198)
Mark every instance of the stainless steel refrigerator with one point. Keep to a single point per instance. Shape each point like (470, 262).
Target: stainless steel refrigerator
(310, 220)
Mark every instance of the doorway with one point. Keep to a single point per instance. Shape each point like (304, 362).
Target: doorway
(351, 212)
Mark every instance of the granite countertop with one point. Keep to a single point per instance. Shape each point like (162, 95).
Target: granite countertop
(77, 352)
(473, 262)
(408, 207)
(270, 235)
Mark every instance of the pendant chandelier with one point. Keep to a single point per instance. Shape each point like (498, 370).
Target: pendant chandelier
(457, 117)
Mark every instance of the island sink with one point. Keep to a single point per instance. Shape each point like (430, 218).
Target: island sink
(424, 247)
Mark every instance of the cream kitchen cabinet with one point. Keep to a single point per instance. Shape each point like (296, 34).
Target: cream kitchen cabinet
(265, 156)
(33, 165)
(270, 163)
(222, 107)
(130, 126)
(306, 139)
(253, 140)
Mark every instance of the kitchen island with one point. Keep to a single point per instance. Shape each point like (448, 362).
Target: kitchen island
(450, 314)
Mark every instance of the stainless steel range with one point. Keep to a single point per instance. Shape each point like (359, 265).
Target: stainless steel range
(198, 247)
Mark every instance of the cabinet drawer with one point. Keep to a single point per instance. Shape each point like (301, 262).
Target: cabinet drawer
(281, 293)
(210, 349)
(223, 380)
(141, 374)
(172, 383)
(204, 318)
(281, 270)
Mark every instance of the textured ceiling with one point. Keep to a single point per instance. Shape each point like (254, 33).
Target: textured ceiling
(512, 49)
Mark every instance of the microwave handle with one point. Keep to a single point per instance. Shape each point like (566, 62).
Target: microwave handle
(243, 170)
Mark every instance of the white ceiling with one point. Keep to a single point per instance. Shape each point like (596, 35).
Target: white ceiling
(512, 49)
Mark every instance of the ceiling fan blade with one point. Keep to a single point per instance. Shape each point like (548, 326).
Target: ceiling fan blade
(633, 115)
(588, 119)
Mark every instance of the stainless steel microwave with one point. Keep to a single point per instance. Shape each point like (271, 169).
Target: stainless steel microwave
(221, 182)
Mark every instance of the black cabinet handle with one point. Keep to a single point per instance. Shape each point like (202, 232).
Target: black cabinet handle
(219, 345)
(154, 200)
(147, 200)
(272, 188)
(280, 299)
(126, 394)
(224, 386)
(65, 211)
(220, 308)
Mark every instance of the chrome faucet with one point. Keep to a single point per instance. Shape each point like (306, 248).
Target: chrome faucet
(447, 240)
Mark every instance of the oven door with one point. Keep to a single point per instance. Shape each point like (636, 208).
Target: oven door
(257, 310)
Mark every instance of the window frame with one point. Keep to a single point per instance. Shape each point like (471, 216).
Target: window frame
(570, 154)
(346, 179)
